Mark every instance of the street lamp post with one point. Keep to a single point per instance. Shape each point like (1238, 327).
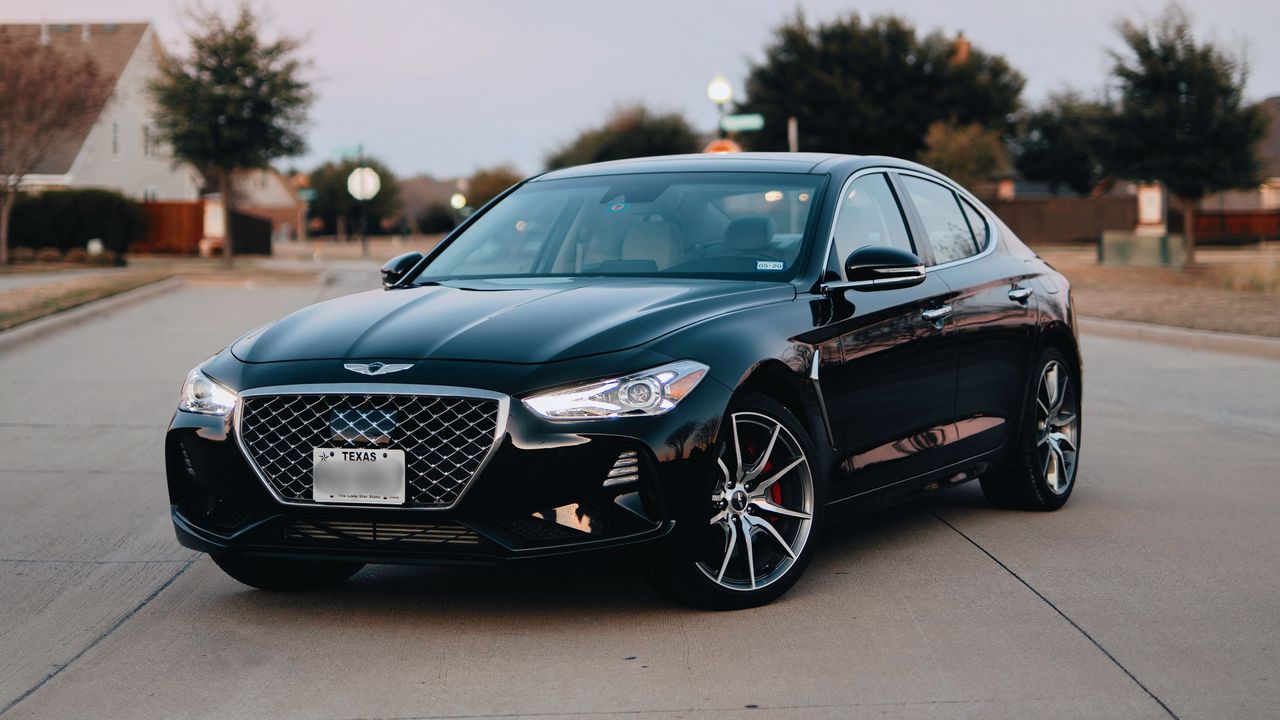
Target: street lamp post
(720, 92)
(363, 183)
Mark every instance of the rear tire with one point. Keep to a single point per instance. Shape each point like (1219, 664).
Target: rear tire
(774, 501)
(1042, 471)
(286, 575)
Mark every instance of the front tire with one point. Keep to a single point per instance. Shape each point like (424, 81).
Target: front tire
(286, 575)
(1042, 472)
(762, 513)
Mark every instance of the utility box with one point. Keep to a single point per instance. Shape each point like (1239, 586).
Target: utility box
(1134, 249)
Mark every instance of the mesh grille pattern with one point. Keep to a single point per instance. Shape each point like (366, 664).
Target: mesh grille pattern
(383, 533)
(444, 438)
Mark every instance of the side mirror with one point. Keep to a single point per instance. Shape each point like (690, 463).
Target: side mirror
(877, 267)
(397, 267)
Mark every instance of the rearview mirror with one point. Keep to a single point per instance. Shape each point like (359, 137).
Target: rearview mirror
(877, 267)
(397, 267)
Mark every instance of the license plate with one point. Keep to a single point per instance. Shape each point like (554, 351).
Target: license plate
(371, 476)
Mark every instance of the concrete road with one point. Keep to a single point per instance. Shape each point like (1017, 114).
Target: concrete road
(1154, 593)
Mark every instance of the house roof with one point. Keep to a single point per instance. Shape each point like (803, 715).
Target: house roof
(251, 195)
(109, 45)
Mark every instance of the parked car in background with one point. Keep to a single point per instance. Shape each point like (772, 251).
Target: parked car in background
(707, 358)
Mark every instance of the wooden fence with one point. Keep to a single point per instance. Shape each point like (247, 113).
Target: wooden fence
(172, 227)
(1237, 227)
(1066, 219)
(176, 228)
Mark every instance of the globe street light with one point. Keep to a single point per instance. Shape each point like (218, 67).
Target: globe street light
(458, 202)
(363, 183)
(720, 92)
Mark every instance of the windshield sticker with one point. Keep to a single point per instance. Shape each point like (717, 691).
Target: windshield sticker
(769, 265)
(618, 207)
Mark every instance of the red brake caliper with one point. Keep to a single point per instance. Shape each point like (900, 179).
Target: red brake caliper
(775, 490)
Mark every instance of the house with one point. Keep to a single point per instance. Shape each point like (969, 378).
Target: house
(1267, 195)
(120, 150)
(271, 196)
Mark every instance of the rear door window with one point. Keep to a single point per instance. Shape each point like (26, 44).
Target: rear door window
(943, 217)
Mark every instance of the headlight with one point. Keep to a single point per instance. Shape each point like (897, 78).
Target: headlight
(651, 392)
(204, 396)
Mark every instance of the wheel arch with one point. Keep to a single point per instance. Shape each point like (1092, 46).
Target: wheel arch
(1058, 335)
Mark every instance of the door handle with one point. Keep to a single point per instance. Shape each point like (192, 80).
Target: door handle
(937, 315)
(1020, 294)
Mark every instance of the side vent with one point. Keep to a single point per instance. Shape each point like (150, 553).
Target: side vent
(626, 470)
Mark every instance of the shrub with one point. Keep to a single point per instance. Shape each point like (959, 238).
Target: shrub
(438, 218)
(77, 255)
(70, 218)
(22, 254)
(106, 258)
(48, 254)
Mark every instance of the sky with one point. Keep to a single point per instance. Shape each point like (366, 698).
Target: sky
(443, 87)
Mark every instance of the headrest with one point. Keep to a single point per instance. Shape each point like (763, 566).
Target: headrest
(654, 241)
(749, 234)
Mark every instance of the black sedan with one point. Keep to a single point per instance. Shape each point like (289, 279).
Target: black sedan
(707, 358)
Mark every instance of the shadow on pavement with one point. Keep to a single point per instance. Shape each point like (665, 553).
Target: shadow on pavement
(573, 588)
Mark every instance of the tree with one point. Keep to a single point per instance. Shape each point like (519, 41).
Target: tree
(873, 87)
(487, 183)
(631, 131)
(969, 154)
(338, 211)
(1181, 118)
(235, 102)
(1061, 143)
(47, 98)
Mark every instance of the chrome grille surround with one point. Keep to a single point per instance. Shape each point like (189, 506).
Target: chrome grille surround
(449, 434)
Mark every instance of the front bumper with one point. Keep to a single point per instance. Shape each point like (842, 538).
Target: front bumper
(543, 494)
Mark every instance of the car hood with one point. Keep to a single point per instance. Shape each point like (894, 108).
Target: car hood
(514, 321)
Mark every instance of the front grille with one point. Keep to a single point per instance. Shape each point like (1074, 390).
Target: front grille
(382, 532)
(445, 438)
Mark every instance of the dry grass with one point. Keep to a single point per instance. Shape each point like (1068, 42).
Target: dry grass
(23, 305)
(1231, 291)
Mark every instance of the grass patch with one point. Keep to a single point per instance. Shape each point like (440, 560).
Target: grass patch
(22, 305)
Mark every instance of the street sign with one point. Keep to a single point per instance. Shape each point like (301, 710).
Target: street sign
(307, 195)
(742, 123)
(363, 183)
(344, 152)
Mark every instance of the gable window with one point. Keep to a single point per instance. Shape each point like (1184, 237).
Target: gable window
(150, 142)
(115, 138)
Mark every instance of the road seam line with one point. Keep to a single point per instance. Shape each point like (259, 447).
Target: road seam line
(101, 636)
(1115, 661)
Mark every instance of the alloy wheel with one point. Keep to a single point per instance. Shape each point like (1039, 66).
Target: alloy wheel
(1057, 427)
(762, 505)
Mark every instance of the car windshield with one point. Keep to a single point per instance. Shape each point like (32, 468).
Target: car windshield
(732, 225)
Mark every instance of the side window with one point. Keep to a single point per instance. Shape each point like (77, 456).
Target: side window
(944, 220)
(869, 215)
(977, 223)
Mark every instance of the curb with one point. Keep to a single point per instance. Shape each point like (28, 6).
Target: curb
(71, 317)
(1254, 345)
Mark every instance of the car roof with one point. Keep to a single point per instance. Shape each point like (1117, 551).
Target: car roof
(778, 162)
